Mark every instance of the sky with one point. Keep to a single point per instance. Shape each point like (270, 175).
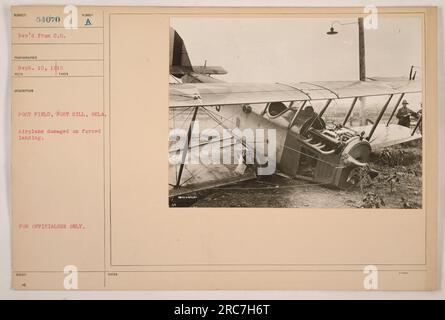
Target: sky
(298, 49)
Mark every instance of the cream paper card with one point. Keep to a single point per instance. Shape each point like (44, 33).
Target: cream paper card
(103, 96)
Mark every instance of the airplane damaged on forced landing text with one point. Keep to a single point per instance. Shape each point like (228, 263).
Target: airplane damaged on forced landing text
(271, 128)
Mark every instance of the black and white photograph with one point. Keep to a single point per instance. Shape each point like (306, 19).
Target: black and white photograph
(296, 112)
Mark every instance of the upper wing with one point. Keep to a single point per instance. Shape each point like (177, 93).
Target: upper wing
(213, 94)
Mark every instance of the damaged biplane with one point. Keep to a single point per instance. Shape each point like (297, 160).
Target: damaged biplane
(305, 146)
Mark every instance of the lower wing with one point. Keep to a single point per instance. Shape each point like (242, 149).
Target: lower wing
(385, 136)
(205, 162)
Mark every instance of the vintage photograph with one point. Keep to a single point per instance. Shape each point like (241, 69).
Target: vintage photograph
(296, 112)
(302, 149)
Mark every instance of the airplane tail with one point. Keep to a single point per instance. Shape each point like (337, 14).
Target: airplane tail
(180, 64)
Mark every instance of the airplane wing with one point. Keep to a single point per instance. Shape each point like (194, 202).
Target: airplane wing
(201, 176)
(385, 136)
(185, 97)
(219, 93)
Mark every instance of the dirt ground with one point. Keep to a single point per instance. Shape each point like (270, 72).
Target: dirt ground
(397, 185)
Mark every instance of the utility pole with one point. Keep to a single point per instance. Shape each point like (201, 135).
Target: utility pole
(362, 66)
(361, 61)
(361, 49)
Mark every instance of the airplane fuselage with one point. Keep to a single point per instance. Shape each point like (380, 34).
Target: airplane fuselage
(302, 146)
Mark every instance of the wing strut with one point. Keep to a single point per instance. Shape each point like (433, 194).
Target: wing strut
(318, 116)
(294, 119)
(324, 108)
(186, 147)
(350, 111)
(376, 123)
(395, 108)
(417, 125)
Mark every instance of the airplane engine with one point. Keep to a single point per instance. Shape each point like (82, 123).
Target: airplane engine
(325, 156)
(355, 154)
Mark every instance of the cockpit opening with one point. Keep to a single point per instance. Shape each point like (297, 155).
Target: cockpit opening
(276, 109)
